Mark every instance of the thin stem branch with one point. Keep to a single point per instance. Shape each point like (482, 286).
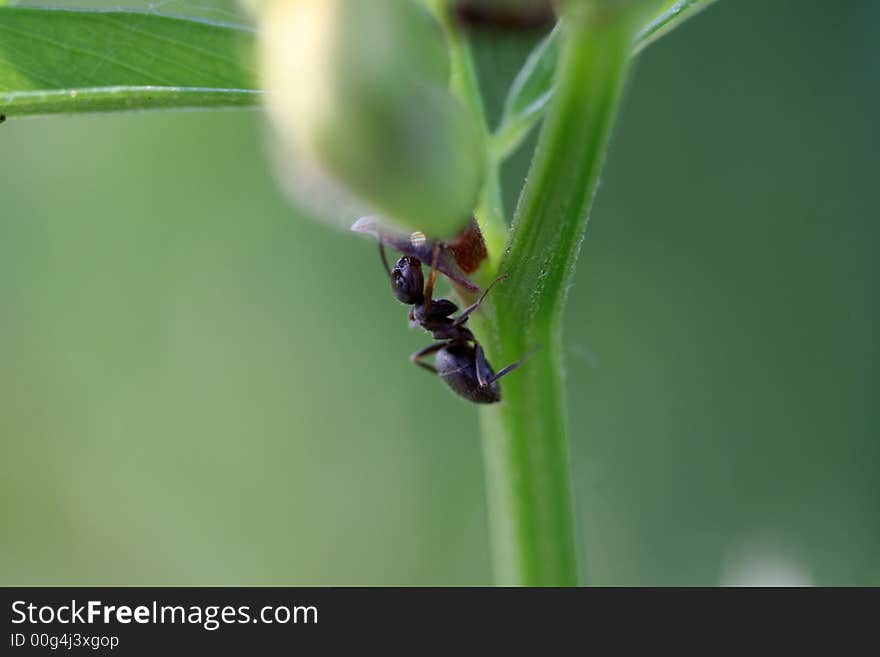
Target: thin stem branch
(465, 86)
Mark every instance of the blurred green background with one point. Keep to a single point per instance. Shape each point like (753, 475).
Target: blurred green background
(199, 385)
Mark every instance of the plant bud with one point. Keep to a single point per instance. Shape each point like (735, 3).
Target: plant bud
(359, 91)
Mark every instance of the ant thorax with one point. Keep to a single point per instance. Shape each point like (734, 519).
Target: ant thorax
(438, 321)
(440, 309)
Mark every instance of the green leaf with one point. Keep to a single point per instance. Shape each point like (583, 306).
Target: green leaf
(64, 61)
(533, 87)
(674, 14)
(528, 96)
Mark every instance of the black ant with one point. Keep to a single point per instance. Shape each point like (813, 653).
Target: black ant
(460, 360)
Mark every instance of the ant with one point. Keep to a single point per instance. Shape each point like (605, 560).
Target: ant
(460, 360)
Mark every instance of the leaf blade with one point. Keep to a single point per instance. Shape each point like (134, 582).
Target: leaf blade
(58, 61)
(533, 87)
(528, 96)
(676, 13)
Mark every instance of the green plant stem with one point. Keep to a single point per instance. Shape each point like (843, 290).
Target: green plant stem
(524, 438)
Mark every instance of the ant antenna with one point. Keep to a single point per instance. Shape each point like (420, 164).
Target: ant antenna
(489, 289)
(513, 366)
(471, 308)
(384, 258)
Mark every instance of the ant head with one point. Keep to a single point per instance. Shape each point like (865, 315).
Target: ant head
(407, 281)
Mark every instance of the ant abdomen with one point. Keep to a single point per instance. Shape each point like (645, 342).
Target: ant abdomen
(457, 366)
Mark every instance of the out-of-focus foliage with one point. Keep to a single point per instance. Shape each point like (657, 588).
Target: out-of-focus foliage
(199, 387)
(360, 91)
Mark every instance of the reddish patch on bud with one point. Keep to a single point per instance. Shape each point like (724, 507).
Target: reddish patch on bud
(469, 248)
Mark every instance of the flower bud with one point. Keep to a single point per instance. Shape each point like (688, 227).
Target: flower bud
(359, 91)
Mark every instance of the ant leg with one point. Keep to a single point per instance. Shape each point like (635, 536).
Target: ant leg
(416, 358)
(484, 376)
(384, 259)
(432, 276)
(471, 308)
